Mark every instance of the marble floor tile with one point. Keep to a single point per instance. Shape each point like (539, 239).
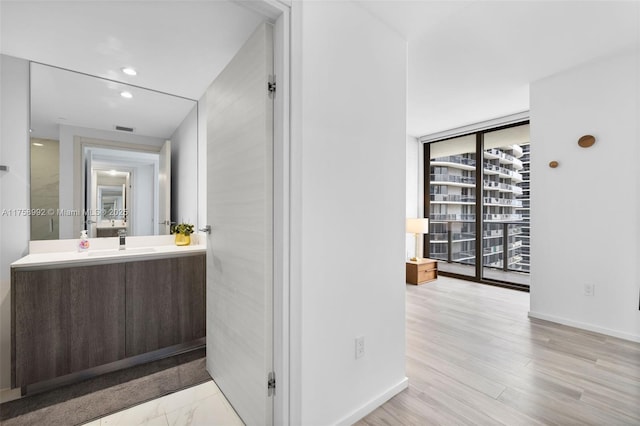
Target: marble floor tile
(157, 421)
(203, 404)
(138, 415)
(188, 396)
(211, 411)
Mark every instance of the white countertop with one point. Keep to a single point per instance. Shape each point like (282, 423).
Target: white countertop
(60, 256)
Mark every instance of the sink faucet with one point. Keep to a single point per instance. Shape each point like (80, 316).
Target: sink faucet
(122, 235)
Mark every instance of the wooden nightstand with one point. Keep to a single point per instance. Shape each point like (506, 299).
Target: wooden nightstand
(421, 271)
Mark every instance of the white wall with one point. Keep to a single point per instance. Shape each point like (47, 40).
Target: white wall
(14, 189)
(348, 212)
(184, 170)
(585, 212)
(637, 148)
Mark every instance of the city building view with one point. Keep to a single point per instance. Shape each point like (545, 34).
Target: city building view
(453, 189)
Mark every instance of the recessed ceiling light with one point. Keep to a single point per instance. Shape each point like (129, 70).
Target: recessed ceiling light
(129, 71)
(37, 144)
(127, 95)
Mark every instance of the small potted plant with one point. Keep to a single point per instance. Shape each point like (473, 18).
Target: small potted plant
(183, 233)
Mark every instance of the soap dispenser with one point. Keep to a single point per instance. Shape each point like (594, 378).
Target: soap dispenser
(84, 241)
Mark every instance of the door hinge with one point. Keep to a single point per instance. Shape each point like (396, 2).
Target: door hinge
(271, 86)
(271, 384)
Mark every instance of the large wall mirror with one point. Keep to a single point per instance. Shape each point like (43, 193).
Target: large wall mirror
(107, 156)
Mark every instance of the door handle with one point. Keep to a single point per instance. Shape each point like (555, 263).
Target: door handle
(206, 229)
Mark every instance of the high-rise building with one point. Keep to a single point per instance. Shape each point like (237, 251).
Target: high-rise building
(525, 209)
(502, 222)
(505, 204)
(453, 198)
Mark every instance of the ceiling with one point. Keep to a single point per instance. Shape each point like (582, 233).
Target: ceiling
(469, 61)
(177, 48)
(61, 97)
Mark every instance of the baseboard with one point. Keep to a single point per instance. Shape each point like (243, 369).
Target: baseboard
(8, 394)
(585, 326)
(374, 403)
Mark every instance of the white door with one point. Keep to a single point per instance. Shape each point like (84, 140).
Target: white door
(240, 246)
(164, 190)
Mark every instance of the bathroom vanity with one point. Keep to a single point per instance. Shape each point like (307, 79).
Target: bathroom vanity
(75, 315)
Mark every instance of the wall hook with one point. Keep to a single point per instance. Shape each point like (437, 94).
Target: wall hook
(586, 141)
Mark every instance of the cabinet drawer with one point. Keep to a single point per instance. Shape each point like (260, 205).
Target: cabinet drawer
(421, 272)
(427, 267)
(427, 275)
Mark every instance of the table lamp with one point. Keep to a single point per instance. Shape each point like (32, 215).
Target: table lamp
(418, 226)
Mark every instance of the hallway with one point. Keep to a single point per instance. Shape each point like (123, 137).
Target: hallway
(474, 357)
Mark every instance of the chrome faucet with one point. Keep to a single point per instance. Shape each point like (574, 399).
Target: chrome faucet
(122, 236)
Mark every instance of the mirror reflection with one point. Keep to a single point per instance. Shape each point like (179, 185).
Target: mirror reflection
(111, 204)
(106, 156)
(109, 197)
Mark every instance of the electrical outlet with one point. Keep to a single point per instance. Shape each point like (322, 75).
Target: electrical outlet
(589, 289)
(359, 347)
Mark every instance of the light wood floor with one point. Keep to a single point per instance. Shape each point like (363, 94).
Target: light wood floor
(475, 358)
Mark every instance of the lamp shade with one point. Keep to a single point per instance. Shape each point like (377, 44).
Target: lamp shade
(418, 225)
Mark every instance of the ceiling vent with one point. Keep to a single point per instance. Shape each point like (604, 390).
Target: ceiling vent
(124, 129)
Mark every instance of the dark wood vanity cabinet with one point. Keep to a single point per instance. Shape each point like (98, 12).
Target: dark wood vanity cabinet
(72, 319)
(66, 320)
(165, 303)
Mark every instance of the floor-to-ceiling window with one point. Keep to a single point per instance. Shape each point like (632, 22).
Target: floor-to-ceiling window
(478, 204)
(452, 200)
